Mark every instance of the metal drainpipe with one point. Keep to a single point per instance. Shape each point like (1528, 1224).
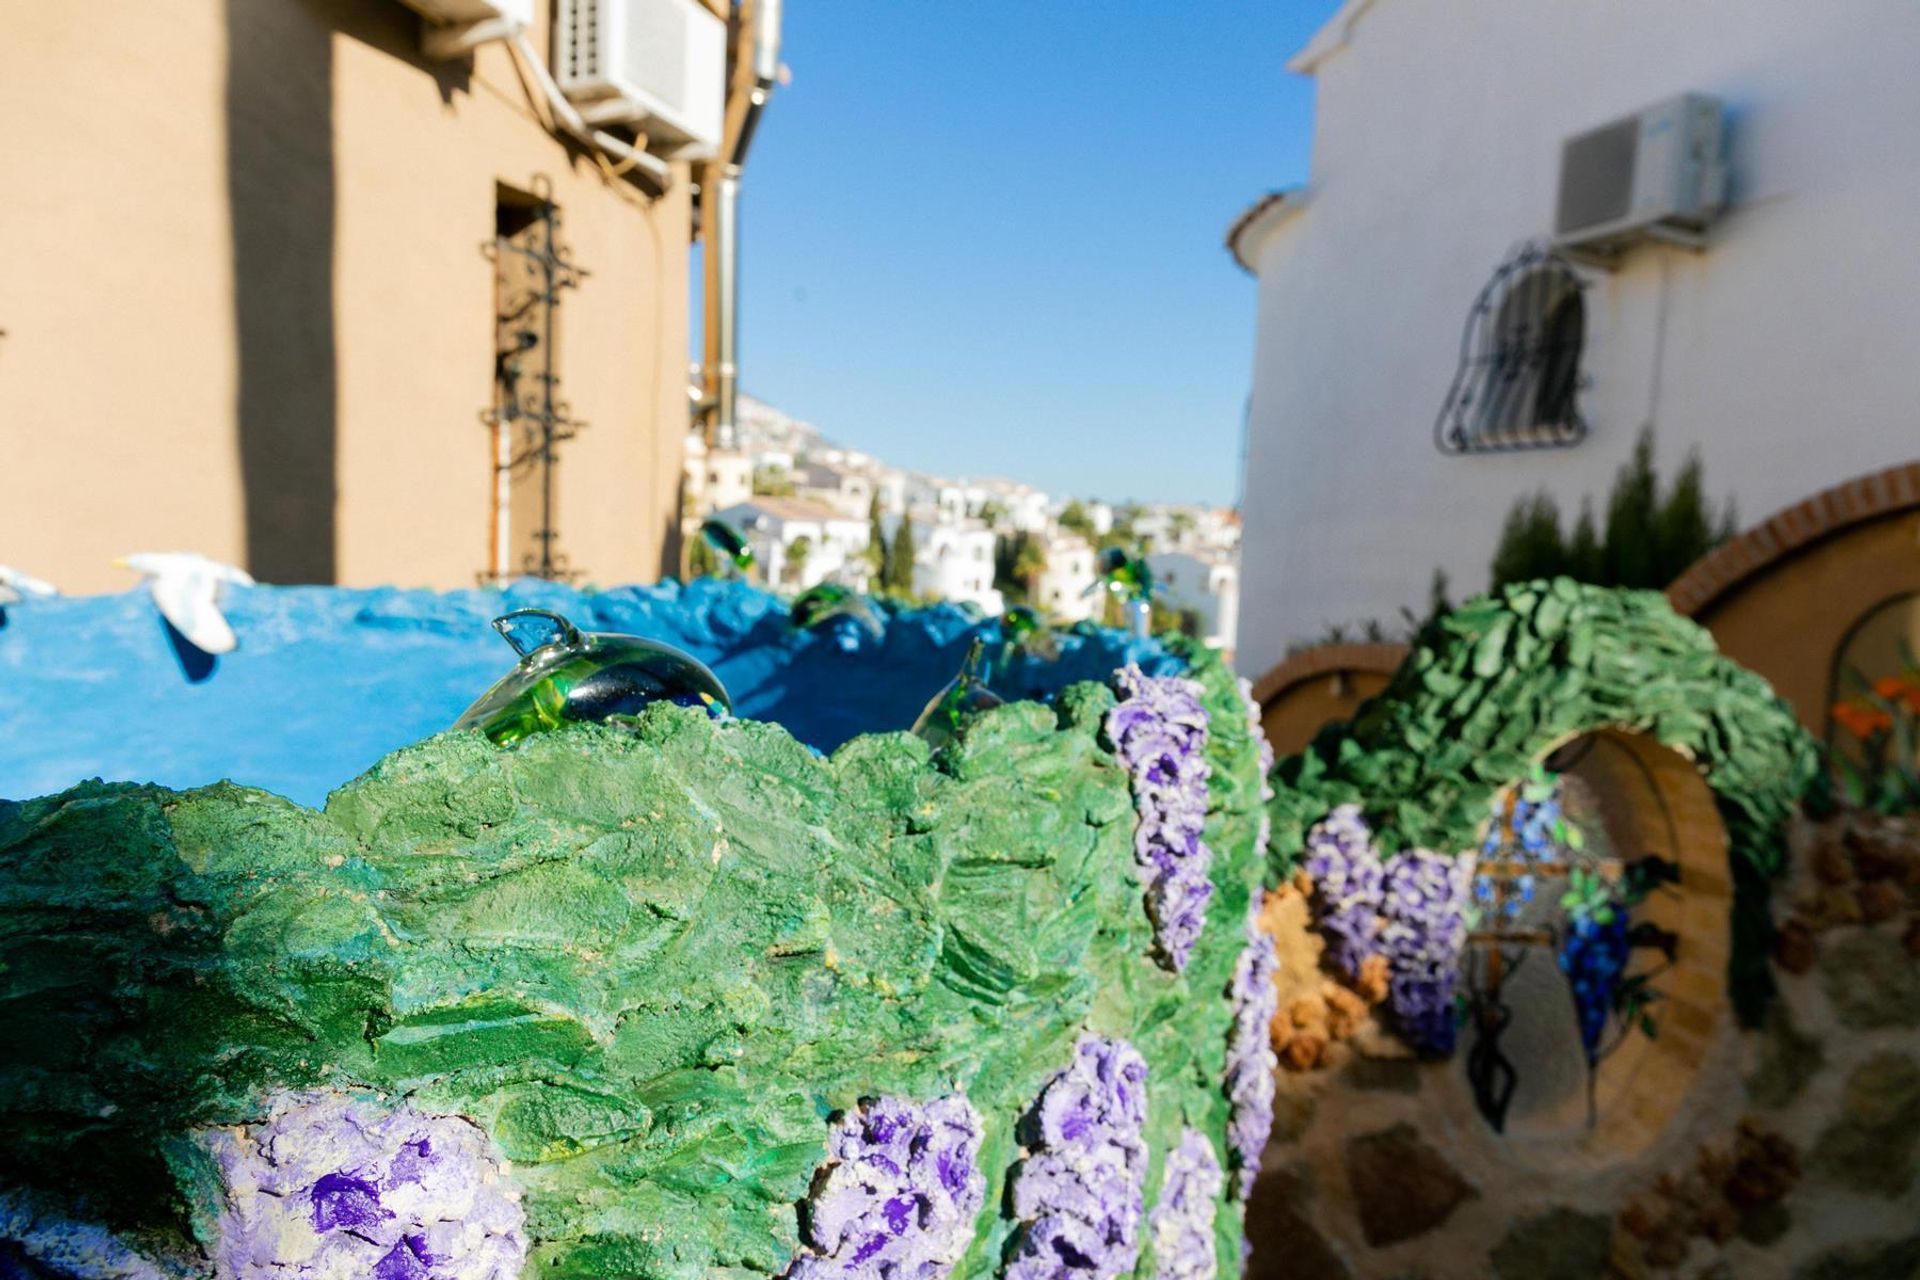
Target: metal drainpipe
(720, 206)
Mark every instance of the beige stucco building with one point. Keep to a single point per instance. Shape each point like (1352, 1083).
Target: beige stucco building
(249, 295)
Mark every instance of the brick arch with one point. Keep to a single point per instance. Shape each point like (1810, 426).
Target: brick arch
(1320, 685)
(1781, 597)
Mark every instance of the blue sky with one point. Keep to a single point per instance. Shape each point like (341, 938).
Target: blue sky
(985, 238)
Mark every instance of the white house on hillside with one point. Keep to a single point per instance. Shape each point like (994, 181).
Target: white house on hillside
(955, 562)
(1499, 158)
(834, 544)
(1207, 583)
(845, 488)
(1062, 593)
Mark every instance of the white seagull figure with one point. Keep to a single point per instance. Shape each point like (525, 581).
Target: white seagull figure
(16, 586)
(187, 589)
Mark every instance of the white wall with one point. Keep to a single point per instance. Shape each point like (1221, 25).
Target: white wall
(1209, 586)
(955, 563)
(1790, 349)
(1062, 590)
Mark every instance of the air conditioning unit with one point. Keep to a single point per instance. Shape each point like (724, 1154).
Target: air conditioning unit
(657, 66)
(1660, 174)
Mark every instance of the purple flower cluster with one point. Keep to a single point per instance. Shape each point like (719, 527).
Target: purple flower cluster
(1160, 731)
(898, 1195)
(1426, 932)
(1250, 1056)
(1349, 886)
(1078, 1193)
(1182, 1222)
(332, 1187)
(57, 1246)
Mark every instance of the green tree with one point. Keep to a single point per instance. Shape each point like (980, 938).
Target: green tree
(1685, 532)
(1029, 563)
(701, 560)
(798, 552)
(1630, 554)
(876, 539)
(1583, 549)
(1530, 545)
(992, 512)
(773, 482)
(1649, 540)
(1004, 580)
(900, 556)
(1075, 519)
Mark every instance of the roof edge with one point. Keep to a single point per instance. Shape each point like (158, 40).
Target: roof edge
(1784, 534)
(1332, 35)
(1263, 214)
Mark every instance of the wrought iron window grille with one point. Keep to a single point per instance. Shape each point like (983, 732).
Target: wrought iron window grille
(532, 269)
(1519, 378)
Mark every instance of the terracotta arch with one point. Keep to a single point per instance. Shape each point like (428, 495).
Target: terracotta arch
(1781, 598)
(1317, 686)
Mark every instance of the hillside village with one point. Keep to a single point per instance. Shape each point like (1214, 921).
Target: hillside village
(815, 511)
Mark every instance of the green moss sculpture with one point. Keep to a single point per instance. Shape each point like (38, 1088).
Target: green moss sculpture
(631, 981)
(1499, 682)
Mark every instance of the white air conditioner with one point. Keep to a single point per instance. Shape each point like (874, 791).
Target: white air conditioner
(657, 66)
(1660, 174)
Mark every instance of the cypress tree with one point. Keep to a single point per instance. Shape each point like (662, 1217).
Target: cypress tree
(1583, 549)
(1530, 545)
(1686, 528)
(899, 573)
(876, 539)
(1630, 557)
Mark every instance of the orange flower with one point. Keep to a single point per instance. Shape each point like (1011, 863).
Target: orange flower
(1861, 720)
(1899, 689)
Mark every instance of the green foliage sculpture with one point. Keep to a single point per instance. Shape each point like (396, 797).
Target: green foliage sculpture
(644, 967)
(1499, 682)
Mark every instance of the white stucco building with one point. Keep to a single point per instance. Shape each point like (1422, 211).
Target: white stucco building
(1784, 350)
(1062, 593)
(955, 562)
(1207, 582)
(835, 544)
(842, 486)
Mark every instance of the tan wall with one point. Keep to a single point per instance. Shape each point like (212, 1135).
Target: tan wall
(247, 312)
(1789, 621)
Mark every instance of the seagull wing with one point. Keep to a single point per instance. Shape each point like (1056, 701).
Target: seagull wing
(23, 584)
(187, 601)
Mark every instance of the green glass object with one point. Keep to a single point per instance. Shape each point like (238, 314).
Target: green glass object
(567, 675)
(1028, 633)
(817, 605)
(964, 697)
(1129, 577)
(729, 542)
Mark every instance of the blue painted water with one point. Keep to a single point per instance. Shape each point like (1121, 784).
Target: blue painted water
(329, 679)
